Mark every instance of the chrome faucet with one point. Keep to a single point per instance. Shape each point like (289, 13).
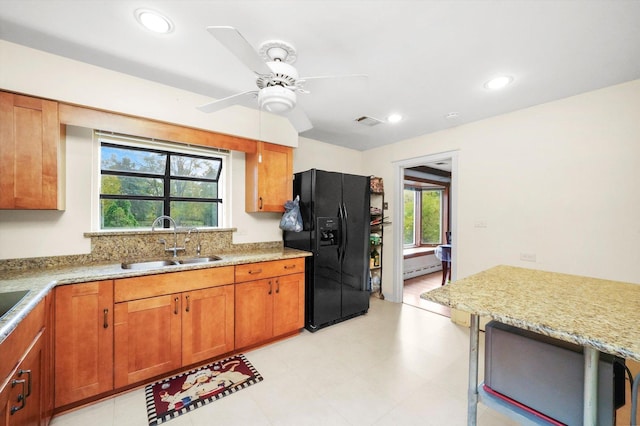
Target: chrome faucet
(175, 247)
(197, 239)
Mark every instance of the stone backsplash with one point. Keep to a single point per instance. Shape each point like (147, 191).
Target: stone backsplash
(115, 247)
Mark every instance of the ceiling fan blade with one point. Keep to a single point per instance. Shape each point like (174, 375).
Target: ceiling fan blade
(244, 98)
(319, 77)
(231, 38)
(323, 83)
(299, 119)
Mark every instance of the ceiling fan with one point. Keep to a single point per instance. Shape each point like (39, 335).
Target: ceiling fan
(277, 80)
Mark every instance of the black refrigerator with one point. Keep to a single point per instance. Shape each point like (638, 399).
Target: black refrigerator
(336, 218)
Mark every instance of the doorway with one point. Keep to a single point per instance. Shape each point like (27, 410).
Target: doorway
(424, 280)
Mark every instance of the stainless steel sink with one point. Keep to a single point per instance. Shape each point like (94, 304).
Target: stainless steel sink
(198, 260)
(150, 264)
(10, 299)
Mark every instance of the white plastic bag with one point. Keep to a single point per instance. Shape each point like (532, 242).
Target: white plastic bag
(292, 219)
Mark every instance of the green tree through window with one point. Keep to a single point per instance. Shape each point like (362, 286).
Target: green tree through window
(422, 216)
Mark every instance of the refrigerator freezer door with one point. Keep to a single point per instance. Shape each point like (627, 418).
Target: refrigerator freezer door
(325, 290)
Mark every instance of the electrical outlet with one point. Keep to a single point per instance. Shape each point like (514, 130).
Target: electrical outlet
(528, 257)
(385, 206)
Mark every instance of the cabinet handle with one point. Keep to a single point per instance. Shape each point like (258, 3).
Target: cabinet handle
(21, 397)
(28, 372)
(188, 307)
(176, 300)
(106, 318)
(289, 266)
(270, 287)
(260, 203)
(277, 286)
(253, 272)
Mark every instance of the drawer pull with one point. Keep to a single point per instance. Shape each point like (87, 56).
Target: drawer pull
(253, 272)
(106, 318)
(28, 372)
(176, 300)
(20, 398)
(188, 303)
(289, 266)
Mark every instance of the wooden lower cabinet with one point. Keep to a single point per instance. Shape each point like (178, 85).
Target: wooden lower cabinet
(160, 334)
(24, 356)
(268, 308)
(83, 341)
(147, 338)
(207, 324)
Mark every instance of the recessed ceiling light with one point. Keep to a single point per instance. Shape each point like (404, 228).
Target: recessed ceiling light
(498, 83)
(394, 118)
(154, 21)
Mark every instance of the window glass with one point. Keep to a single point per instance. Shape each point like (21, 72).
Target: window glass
(431, 219)
(138, 184)
(132, 160)
(409, 216)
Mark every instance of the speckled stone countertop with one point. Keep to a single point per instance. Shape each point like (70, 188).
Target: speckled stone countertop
(41, 281)
(592, 312)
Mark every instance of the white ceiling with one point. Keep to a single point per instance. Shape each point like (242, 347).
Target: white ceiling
(424, 59)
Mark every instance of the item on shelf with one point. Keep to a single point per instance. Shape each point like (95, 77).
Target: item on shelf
(375, 238)
(377, 186)
(375, 255)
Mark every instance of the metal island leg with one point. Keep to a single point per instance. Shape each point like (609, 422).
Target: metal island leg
(472, 396)
(590, 413)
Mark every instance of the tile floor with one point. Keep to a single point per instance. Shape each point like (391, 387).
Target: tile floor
(397, 365)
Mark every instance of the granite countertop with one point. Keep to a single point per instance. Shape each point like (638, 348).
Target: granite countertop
(40, 281)
(591, 312)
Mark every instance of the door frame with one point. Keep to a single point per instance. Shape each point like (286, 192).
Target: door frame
(398, 213)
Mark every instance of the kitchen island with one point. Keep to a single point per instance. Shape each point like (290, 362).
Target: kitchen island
(600, 315)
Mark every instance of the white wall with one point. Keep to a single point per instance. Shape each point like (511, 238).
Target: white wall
(561, 180)
(313, 154)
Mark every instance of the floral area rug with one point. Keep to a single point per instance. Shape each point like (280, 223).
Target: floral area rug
(170, 398)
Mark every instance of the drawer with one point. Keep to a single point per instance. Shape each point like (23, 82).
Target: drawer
(19, 340)
(274, 268)
(174, 282)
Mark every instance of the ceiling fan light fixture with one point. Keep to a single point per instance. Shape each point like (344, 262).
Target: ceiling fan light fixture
(277, 99)
(154, 21)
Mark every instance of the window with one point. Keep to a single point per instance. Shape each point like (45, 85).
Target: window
(139, 182)
(424, 219)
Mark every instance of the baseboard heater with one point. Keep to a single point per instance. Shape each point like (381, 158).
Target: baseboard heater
(546, 376)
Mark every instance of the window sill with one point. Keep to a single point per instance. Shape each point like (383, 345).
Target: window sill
(418, 251)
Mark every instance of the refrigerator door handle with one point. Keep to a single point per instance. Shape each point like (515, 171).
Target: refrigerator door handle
(341, 231)
(345, 241)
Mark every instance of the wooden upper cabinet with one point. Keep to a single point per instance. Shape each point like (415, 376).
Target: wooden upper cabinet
(30, 154)
(269, 178)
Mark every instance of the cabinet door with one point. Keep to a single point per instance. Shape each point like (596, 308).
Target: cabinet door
(207, 323)
(268, 178)
(147, 338)
(83, 341)
(29, 145)
(254, 312)
(288, 304)
(21, 397)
